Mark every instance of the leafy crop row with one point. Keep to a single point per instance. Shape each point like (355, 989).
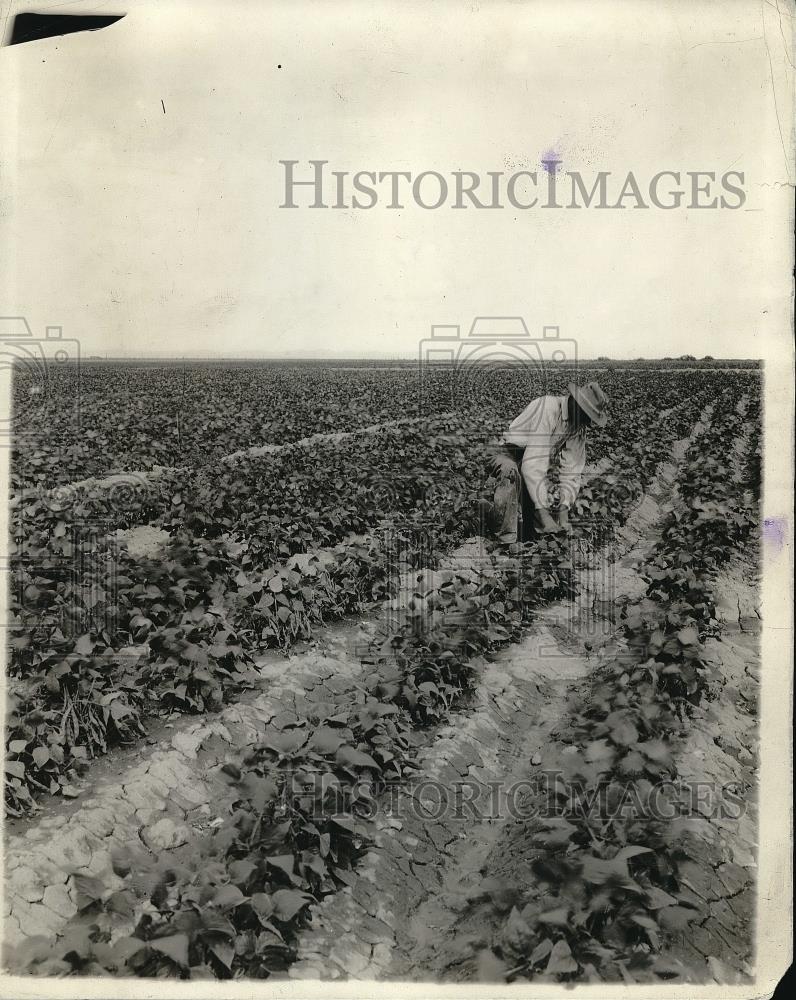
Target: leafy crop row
(101, 639)
(234, 908)
(233, 904)
(105, 417)
(613, 883)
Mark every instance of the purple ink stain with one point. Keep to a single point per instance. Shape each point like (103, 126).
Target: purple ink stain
(774, 531)
(551, 160)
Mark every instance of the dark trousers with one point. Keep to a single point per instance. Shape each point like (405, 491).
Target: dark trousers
(501, 515)
(526, 503)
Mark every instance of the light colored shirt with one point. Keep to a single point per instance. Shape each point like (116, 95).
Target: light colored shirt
(544, 430)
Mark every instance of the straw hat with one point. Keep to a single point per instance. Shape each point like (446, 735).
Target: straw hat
(592, 400)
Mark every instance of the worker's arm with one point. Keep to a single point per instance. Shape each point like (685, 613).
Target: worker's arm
(573, 461)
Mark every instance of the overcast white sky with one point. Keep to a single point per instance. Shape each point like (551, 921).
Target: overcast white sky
(146, 232)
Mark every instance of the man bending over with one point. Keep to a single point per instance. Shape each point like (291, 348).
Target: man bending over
(549, 429)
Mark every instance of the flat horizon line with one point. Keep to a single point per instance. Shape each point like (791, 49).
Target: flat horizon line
(392, 357)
